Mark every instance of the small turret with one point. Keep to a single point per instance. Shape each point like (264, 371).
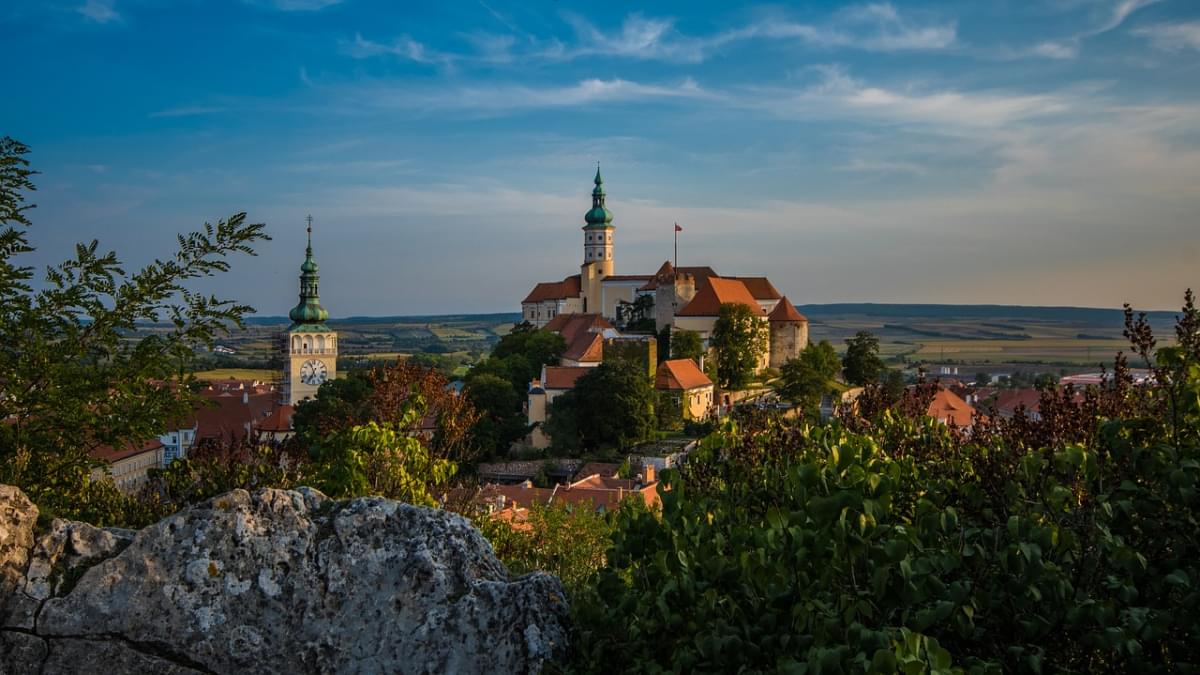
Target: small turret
(309, 310)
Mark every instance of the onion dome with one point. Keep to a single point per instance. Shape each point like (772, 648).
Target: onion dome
(309, 313)
(599, 216)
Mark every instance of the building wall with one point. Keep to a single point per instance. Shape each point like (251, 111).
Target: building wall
(698, 403)
(670, 297)
(304, 347)
(643, 351)
(130, 473)
(788, 339)
(615, 292)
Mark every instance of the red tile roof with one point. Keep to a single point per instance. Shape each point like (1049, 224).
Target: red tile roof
(571, 326)
(587, 348)
(554, 290)
(760, 287)
(680, 374)
(563, 377)
(279, 421)
(110, 454)
(720, 291)
(785, 311)
(666, 274)
(947, 407)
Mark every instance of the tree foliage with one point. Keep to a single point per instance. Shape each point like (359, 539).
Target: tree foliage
(611, 406)
(686, 344)
(808, 377)
(861, 364)
(71, 377)
(739, 339)
(380, 459)
(1063, 543)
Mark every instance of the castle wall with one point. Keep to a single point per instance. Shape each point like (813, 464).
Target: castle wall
(788, 339)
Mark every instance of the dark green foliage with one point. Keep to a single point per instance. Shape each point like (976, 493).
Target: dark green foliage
(1067, 543)
(861, 365)
(501, 421)
(345, 401)
(809, 376)
(739, 339)
(610, 406)
(70, 378)
(565, 541)
(686, 344)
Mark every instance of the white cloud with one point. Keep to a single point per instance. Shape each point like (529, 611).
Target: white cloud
(492, 99)
(875, 27)
(100, 11)
(404, 47)
(297, 5)
(1172, 37)
(187, 111)
(838, 93)
(1066, 49)
(1110, 18)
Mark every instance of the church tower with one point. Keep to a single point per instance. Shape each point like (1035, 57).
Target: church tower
(597, 248)
(311, 346)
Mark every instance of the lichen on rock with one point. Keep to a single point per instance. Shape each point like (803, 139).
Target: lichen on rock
(277, 581)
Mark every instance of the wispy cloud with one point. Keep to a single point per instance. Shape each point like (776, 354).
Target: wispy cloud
(297, 5)
(1109, 18)
(404, 47)
(187, 111)
(100, 11)
(493, 99)
(1172, 36)
(839, 93)
(876, 27)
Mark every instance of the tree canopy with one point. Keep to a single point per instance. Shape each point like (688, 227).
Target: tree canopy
(686, 344)
(611, 406)
(808, 377)
(861, 364)
(71, 377)
(739, 339)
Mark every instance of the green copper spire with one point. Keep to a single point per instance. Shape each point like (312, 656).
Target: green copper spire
(309, 314)
(599, 217)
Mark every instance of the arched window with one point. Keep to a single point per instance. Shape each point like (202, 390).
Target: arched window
(295, 343)
(320, 344)
(307, 344)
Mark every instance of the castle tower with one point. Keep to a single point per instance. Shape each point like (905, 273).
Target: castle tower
(311, 348)
(597, 248)
(789, 333)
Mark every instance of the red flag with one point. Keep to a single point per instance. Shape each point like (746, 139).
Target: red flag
(678, 228)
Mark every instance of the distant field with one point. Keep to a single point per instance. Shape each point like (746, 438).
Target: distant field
(237, 374)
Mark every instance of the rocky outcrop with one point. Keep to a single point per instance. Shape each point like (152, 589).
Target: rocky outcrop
(275, 582)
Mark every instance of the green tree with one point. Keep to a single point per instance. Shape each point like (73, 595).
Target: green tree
(72, 375)
(809, 376)
(339, 403)
(380, 459)
(982, 379)
(739, 339)
(501, 421)
(611, 406)
(861, 365)
(686, 344)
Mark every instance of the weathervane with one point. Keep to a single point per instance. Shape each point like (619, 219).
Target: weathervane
(309, 219)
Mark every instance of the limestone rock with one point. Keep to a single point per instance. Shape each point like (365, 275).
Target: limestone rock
(286, 582)
(18, 517)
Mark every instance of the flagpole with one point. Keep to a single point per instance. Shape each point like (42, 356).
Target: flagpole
(676, 246)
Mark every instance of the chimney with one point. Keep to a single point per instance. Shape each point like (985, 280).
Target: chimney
(648, 471)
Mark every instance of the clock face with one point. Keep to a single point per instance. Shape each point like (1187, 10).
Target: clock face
(313, 372)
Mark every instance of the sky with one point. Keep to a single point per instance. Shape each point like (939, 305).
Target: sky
(1035, 152)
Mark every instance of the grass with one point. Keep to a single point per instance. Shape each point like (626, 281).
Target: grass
(238, 374)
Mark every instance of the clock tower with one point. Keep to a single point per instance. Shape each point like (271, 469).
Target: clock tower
(311, 346)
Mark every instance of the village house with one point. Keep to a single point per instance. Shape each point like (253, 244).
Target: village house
(684, 379)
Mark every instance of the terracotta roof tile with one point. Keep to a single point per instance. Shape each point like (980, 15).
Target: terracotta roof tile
(586, 348)
(947, 407)
(554, 290)
(760, 287)
(106, 453)
(717, 292)
(563, 377)
(680, 374)
(785, 311)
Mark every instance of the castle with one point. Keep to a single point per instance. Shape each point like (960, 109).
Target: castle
(683, 298)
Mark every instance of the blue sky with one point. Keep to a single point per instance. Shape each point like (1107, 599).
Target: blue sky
(1015, 151)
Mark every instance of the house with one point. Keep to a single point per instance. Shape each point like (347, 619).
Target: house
(683, 378)
(597, 492)
(554, 381)
(128, 465)
(949, 408)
